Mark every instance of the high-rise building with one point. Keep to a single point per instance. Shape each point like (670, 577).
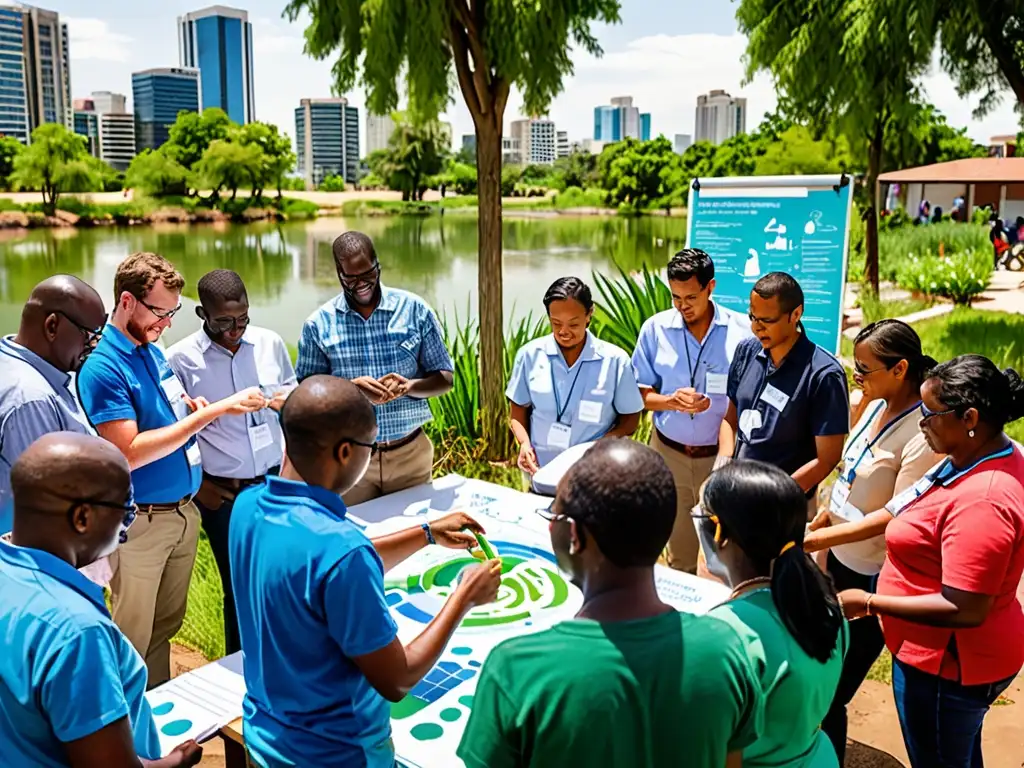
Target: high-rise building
(35, 72)
(511, 150)
(469, 143)
(107, 103)
(682, 142)
(535, 139)
(327, 140)
(378, 132)
(621, 120)
(720, 117)
(86, 124)
(107, 127)
(446, 136)
(562, 144)
(158, 95)
(218, 42)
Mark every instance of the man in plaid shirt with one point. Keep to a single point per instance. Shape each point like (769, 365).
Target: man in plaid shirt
(388, 343)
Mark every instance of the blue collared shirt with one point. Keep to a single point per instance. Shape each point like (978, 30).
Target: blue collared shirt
(123, 381)
(401, 336)
(34, 400)
(669, 357)
(587, 398)
(309, 588)
(66, 671)
(207, 369)
(806, 397)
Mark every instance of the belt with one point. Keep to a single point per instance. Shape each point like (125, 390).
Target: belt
(402, 441)
(692, 451)
(237, 484)
(161, 509)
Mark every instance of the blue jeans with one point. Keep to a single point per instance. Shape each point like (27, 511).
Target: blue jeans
(941, 719)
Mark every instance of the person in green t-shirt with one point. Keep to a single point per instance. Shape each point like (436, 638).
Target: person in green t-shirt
(751, 522)
(629, 681)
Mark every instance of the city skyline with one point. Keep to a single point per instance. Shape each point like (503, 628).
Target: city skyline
(663, 72)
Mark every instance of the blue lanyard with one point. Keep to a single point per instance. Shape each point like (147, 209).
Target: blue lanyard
(560, 409)
(935, 477)
(852, 472)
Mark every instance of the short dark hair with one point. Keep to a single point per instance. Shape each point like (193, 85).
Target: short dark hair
(321, 411)
(624, 494)
(349, 244)
(894, 340)
(763, 511)
(565, 288)
(138, 273)
(691, 262)
(220, 285)
(782, 286)
(974, 381)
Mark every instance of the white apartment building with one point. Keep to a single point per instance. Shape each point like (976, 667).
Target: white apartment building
(720, 117)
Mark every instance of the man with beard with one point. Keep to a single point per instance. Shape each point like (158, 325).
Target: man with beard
(60, 325)
(134, 400)
(226, 355)
(389, 344)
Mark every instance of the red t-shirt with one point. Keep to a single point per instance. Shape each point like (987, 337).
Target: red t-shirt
(969, 536)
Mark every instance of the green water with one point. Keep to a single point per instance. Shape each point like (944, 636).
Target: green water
(289, 270)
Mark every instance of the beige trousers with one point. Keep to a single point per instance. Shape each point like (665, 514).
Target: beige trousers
(689, 474)
(396, 470)
(149, 589)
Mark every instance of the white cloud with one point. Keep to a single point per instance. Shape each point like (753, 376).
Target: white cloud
(93, 39)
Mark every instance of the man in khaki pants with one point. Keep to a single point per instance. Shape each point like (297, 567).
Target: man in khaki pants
(134, 400)
(682, 363)
(389, 344)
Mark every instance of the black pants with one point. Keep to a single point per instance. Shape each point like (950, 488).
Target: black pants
(216, 523)
(866, 642)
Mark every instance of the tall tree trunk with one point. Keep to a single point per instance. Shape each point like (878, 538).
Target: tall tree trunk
(489, 291)
(875, 150)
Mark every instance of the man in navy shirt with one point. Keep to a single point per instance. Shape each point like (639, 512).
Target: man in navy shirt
(135, 401)
(72, 688)
(320, 649)
(789, 404)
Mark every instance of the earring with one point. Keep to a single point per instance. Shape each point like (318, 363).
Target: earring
(970, 433)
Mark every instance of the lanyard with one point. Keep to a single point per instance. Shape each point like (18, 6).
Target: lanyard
(692, 367)
(560, 409)
(852, 472)
(935, 477)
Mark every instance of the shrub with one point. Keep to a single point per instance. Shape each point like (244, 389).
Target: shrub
(959, 277)
(294, 208)
(625, 304)
(574, 197)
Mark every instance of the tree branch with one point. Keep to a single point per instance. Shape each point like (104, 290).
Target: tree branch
(1004, 55)
(460, 55)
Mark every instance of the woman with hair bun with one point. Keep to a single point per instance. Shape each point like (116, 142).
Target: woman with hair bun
(751, 522)
(884, 455)
(955, 554)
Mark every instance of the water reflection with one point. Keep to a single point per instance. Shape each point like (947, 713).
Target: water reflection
(289, 268)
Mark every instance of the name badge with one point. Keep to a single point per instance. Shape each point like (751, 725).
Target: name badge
(900, 503)
(193, 455)
(175, 394)
(260, 438)
(590, 411)
(840, 494)
(716, 384)
(559, 435)
(749, 421)
(776, 398)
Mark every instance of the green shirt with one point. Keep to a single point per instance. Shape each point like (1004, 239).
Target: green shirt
(646, 694)
(798, 689)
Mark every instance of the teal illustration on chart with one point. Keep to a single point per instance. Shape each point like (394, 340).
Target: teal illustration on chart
(756, 225)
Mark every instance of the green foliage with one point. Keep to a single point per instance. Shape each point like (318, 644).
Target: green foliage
(509, 179)
(579, 169)
(156, 173)
(227, 165)
(271, 156)
(959, 277)
(296, 209)
(56, 161)
(463, 178)
(332, 183)
(798, 152)
(625, 304)
(10, 148)
(193, 133)
(902, 245)
(639, 173)
(925, 137)
(574, 197)
(415, 153)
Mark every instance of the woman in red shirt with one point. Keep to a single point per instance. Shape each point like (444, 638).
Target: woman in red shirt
(955, 554)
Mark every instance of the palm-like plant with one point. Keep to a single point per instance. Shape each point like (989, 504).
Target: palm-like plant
(625, 305)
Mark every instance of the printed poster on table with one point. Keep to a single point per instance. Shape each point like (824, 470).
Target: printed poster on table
(796, 224)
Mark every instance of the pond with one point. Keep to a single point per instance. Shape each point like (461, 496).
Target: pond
(289, 270)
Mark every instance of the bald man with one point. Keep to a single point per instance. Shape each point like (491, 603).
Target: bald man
(60, 325)
(72, 688)
(320, 650)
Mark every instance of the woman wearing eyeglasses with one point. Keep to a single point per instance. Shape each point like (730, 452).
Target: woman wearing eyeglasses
(884, 455)
(751, 523)
(955, 554)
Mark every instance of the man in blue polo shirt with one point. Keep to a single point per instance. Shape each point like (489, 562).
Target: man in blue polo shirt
(682, 361)
(72, 688)
(788, 400)
(134, 400)
(321, 654)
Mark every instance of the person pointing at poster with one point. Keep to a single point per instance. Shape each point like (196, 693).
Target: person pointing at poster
(788, 401)
(681, 362)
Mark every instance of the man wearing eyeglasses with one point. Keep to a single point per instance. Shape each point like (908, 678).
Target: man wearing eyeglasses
(60, 325)
(135, 401)
(389, 344)
(72, 688)
(226, 355)
(788, 399)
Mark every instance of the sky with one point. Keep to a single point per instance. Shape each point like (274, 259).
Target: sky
(664, 53)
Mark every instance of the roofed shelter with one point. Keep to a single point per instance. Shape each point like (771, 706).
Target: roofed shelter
(982, 181)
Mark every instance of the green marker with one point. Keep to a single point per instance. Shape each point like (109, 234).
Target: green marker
(485, 546)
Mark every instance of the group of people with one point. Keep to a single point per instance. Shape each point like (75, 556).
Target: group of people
(113, 453)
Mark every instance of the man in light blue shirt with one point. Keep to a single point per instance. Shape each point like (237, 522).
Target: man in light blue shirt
(60, 324)
(682, 361)
(389, 344)
(72, 688)
(227, 355)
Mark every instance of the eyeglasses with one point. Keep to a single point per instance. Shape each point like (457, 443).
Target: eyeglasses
(374, 446)
(699, 513)
(129, 507)
(366, 277)
(225, 324)
(763, 320)
(551, 516)
(927, 413)
(162, 314)
(862, 371)
(92, 335)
